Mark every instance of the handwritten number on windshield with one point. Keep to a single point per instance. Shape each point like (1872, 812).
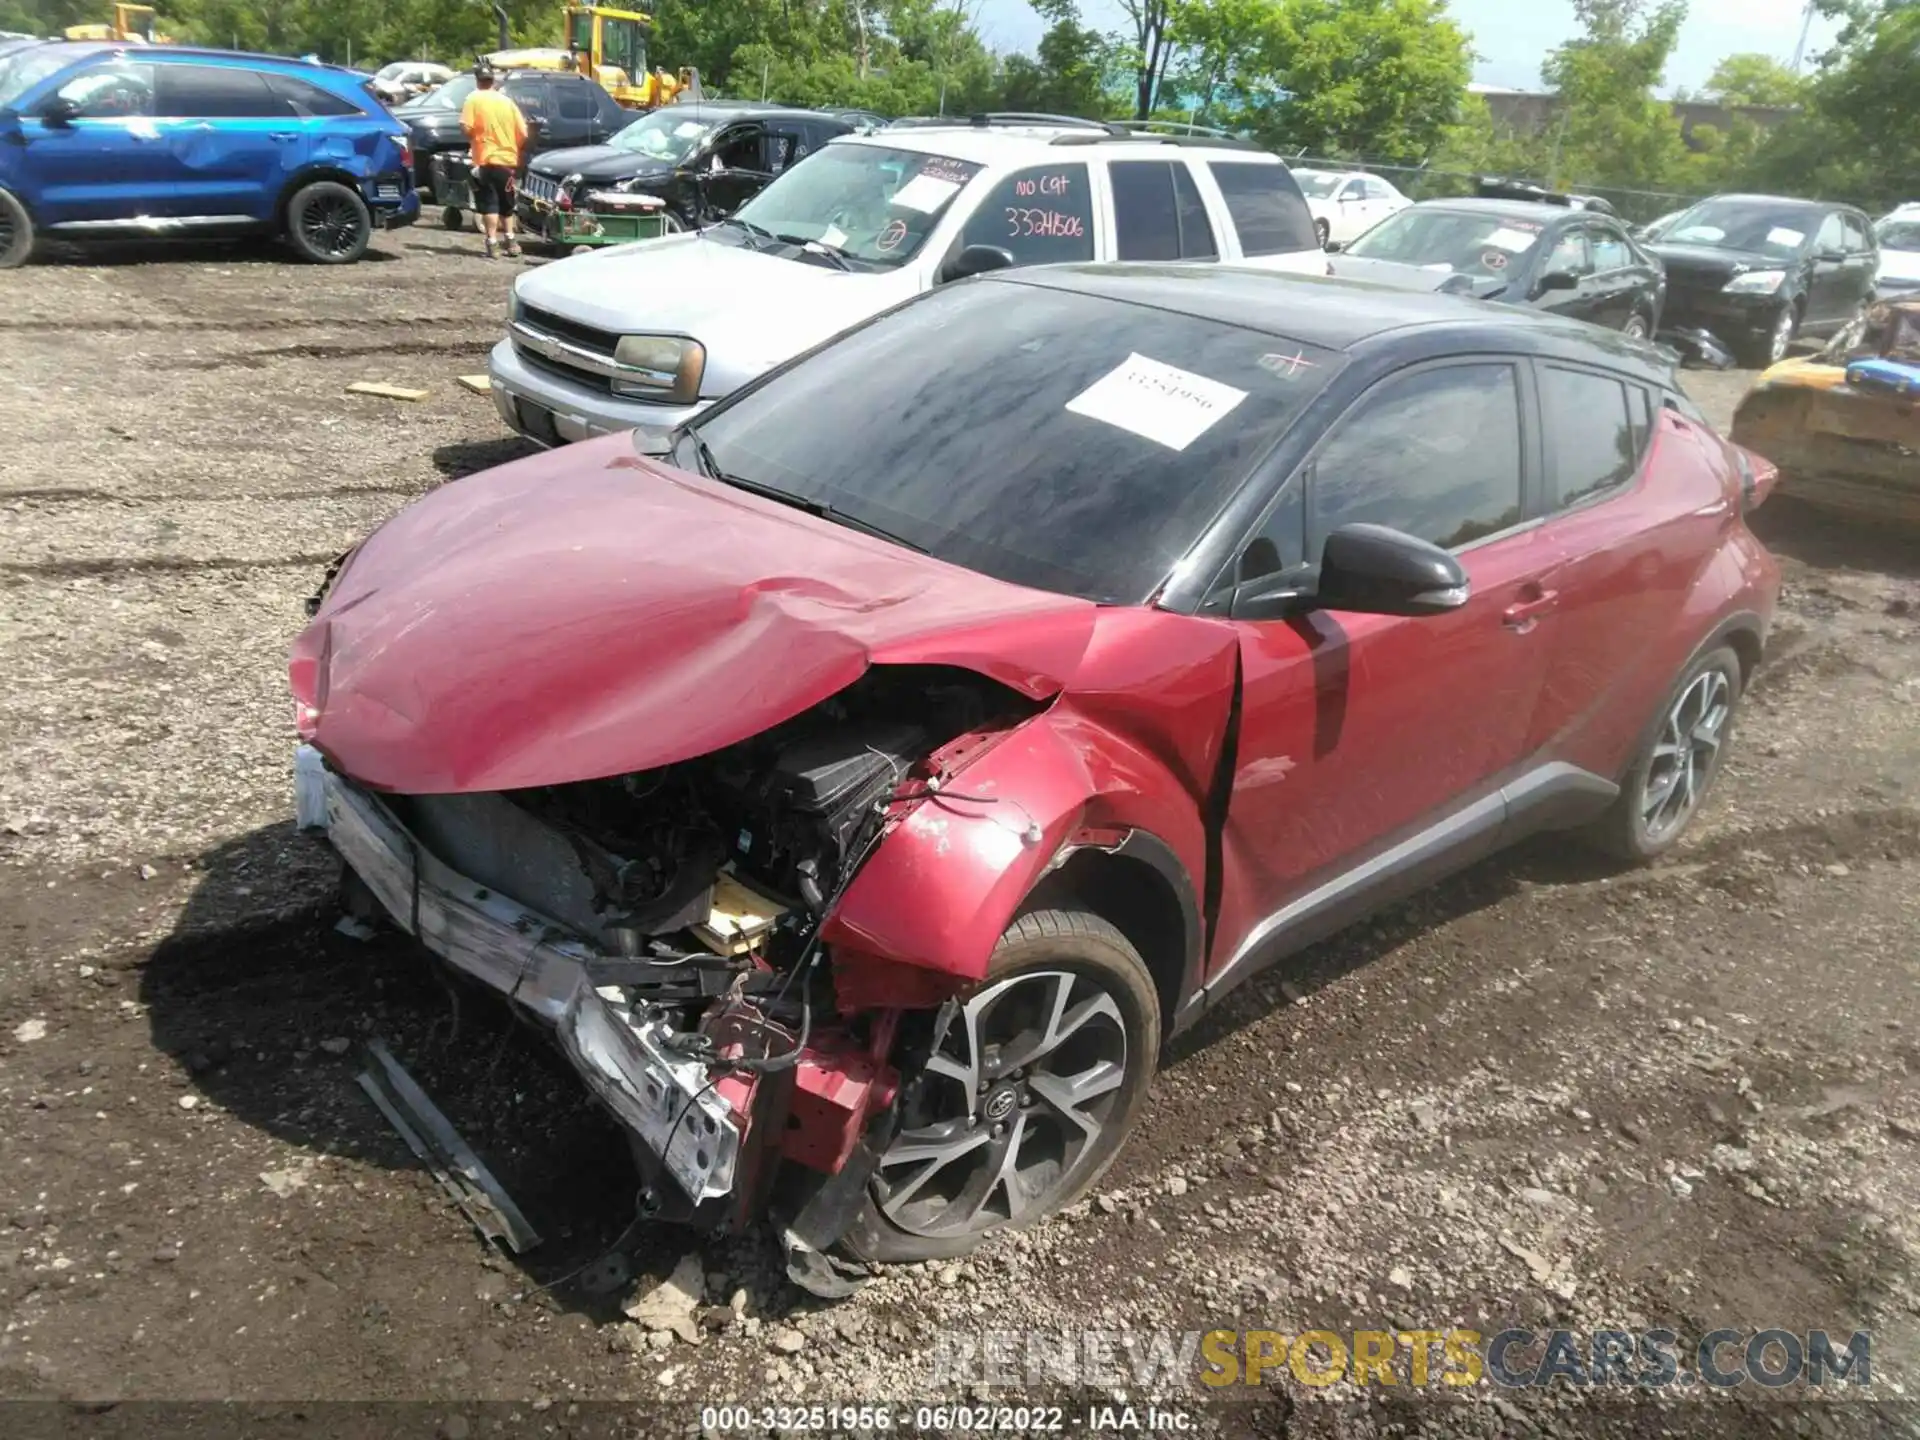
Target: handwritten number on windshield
(1050, 224)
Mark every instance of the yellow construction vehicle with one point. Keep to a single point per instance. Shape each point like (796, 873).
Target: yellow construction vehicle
(131, 23)
(611, 47)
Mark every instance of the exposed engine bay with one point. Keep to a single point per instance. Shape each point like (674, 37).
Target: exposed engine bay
(673, 919)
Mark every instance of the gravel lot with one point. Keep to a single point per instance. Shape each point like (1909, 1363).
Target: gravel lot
(1544, 1093)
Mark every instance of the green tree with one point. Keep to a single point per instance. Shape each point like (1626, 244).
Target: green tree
(1753, 79)
(1375, 78)
(1612, 129)
(1070, 69)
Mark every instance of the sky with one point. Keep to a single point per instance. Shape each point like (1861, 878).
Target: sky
(1512, 37)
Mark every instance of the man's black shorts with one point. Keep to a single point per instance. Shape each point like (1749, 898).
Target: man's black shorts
(492, 190)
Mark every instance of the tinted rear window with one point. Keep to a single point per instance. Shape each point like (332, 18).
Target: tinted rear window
(1069, 442)
(1267, 207)
(309, 99)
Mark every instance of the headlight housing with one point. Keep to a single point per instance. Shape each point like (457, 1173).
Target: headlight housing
(667, 368)
(1756, 282)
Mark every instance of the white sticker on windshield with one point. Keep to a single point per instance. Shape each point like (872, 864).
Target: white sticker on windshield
(1507, 238)
(833, 235)
(1786, 239)
(925, 193)
(1157, 401)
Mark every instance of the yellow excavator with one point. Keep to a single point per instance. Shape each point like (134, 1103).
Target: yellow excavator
(131, 23)
(611, 47)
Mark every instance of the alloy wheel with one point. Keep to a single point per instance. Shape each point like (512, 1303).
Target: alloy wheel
(1684, 756)
(330, 224)
(1635, 328)
(1013, 1105)
(1782, 338)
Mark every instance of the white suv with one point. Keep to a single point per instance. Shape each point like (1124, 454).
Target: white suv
(648, 334)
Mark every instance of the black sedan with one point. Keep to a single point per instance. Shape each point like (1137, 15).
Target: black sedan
(561, 110)
(1757, 271)
(705, 160)
(1574, 262)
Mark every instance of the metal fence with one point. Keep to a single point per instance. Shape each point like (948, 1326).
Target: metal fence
(1423, 182)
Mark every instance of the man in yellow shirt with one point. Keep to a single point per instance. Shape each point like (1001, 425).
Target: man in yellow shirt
(498, 133)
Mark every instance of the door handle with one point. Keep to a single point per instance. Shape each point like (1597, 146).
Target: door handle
(1525, 613)
(286, 135)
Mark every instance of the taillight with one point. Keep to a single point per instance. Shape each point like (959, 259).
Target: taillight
(406, 151)
(303, 675)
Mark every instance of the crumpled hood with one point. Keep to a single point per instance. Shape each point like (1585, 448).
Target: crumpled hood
(586, 613)
(752, 309)
(600, 163)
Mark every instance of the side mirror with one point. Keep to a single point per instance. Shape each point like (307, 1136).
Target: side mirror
(977, 260)
(1334, 247)
(1559, 280)
(1373, 570)
(60, 112)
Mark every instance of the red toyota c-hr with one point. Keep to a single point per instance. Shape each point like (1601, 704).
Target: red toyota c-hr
(863, 786)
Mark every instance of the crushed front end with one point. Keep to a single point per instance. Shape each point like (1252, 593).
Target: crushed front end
(665, 929)
(1844, 427)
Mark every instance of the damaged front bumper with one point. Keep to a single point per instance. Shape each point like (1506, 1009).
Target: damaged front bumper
(665, 1098)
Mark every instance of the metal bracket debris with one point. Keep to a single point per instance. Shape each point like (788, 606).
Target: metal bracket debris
(431, 1136)
(831, 1211)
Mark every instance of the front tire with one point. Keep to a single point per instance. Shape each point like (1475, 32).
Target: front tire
(1760, 354)
(1636, 327)
(1677, 761)
(450, 218)
(1029, 1098)
(328, 223)
(16, 233)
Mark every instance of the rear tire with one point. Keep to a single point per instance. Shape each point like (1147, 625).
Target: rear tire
(328, 223)
(1030, 1098)
(1677, 761)
(16, 233)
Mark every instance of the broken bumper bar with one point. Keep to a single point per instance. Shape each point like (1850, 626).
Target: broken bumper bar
(665, 1098)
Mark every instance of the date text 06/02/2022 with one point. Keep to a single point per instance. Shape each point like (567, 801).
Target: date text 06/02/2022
(944, 1419)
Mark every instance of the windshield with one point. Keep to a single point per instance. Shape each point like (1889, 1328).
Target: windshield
(1457, 240)
(393, 71)
(20, 73)
(663, 135)
(1317, 184)
(869, 202)
(1058, 440)
(1900, 234)
(450, 96)
(1764, 227)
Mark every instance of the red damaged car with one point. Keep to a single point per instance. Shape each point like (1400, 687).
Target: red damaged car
(863, 788)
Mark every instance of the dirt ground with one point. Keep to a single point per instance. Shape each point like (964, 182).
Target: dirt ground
(1545, 1093)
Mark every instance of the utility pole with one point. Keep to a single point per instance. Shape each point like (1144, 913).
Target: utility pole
(1800, 50)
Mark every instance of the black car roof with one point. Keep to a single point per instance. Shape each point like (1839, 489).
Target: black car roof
(1532, 210)
(1339, 314)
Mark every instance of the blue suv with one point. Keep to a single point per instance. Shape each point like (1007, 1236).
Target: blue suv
(109, 140)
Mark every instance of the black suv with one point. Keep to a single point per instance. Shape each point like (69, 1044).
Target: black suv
(704, 159)
(561, 110)
(1757, 271)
